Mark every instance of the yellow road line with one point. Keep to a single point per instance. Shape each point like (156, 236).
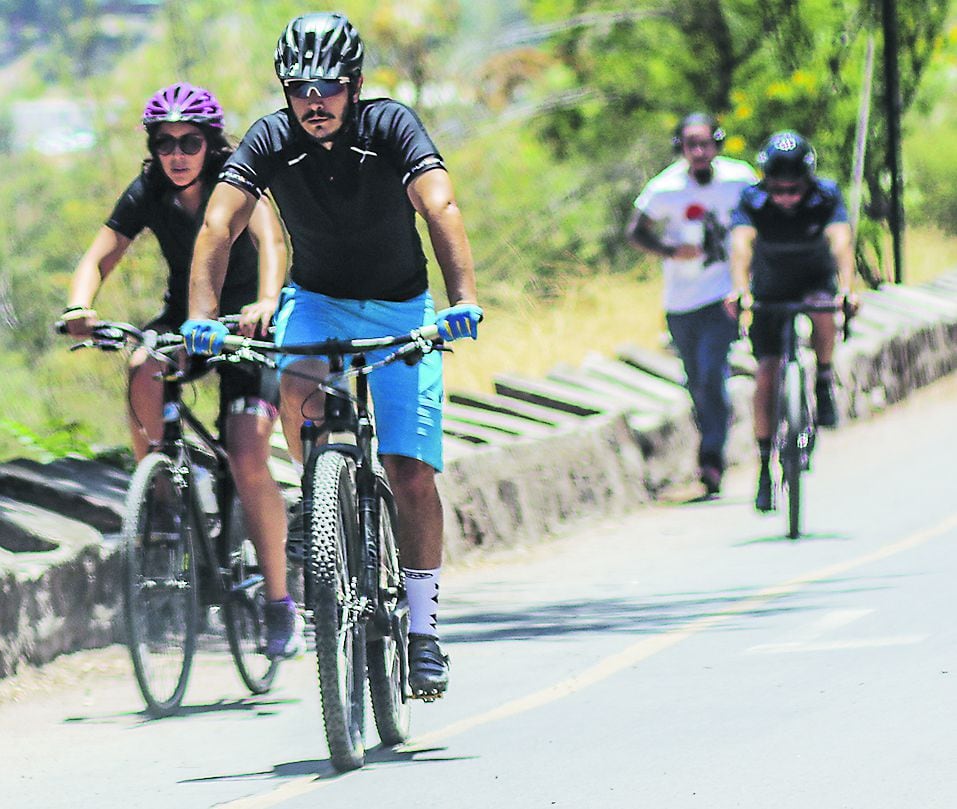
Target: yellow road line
(624, 659)
(647, 647)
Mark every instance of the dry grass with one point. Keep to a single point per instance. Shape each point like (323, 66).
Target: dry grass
(531, 336)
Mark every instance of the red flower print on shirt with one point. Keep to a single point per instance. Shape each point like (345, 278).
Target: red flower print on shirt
(694, 212)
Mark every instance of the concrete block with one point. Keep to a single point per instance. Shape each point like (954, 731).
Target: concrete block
(90, 492)
(664, 366)
(548, 393)
(511, 406)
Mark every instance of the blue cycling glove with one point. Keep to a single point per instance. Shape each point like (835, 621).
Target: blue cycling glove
(459, 321)
(203, 337)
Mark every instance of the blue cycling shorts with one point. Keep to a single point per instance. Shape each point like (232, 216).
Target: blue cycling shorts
(407, 400)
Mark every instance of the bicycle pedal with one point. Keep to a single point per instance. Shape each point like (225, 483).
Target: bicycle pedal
(427, 696)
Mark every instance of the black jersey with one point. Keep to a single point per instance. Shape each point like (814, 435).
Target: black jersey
(147, 204)
(791, 252)
(346, 209)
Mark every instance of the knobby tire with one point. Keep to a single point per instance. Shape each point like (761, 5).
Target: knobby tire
(387, 654)
(244, 611)
(159, 583)
(334, 563)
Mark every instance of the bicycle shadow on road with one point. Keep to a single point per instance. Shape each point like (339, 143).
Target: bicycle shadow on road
(323, 770)
(811, 536)
(260, 707)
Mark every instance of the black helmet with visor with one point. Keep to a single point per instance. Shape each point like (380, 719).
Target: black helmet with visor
(319, 46)
(787, 156)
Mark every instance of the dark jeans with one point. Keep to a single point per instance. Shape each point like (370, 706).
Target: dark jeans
(702, 338)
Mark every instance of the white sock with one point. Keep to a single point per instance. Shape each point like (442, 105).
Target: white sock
(422, 588)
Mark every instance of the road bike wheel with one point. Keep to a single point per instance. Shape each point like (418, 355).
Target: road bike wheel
(387, 654)
(244, 612)
(334, 563)
(791, 466)
(159, 583)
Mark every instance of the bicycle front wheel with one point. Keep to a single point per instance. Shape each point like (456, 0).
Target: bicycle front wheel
(159, 583)
(387, 653)
(791, 465)
(244, 612)
(334, 563)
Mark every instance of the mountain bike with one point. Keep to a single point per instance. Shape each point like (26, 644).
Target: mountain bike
(793, 441)
(354, 589)
(185, 547)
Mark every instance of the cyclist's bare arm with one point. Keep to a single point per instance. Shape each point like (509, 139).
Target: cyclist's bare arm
(227, 214)
(433, 198)
(97, 263)
(841, 240)
(267, 235)
(742, 250)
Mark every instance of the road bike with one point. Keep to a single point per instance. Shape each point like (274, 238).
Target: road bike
(185, 547)
(795, 416)
(353, 585)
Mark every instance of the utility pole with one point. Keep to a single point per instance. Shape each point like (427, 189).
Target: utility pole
(893, 110)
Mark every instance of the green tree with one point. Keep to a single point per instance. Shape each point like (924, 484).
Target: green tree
(760, 65)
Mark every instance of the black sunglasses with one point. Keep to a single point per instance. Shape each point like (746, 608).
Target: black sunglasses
(189, 144)
(785, 189)
(324, 88)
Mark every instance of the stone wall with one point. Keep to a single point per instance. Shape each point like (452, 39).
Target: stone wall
(521, 463)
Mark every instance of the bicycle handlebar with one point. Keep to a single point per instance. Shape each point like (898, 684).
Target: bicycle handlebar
(805, 308)
(410, 340)
(111, 335)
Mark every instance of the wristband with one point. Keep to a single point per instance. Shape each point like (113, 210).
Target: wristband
(76, 313)
(670, 251)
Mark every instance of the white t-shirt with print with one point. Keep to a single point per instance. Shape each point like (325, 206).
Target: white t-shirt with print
(690, 213)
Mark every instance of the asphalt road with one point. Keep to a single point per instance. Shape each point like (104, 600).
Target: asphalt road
(688, 656)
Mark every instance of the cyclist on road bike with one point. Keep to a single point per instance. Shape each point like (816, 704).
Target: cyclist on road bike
(349, 175)
(187, 150)
(790, 241)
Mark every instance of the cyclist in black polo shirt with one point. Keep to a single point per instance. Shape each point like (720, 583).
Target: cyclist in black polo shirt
(791, 239)
(349, 175)
(184, 126)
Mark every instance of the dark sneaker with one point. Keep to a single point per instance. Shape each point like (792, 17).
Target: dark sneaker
(710, 477)
(295, 542)
(285, 630)
(764, 499)
(826, 413)
(428, 667)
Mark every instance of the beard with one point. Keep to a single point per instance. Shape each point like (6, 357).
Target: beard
(703, 176)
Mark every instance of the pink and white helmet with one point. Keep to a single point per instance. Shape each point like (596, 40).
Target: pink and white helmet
(183, 103)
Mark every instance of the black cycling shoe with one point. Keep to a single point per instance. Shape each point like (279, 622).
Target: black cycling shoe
(428, 667)
(826, 412)
(764, 499)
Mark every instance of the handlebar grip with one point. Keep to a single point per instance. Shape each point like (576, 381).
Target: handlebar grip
(430, 332)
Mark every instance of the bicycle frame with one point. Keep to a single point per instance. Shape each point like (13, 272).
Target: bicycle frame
(215, 550)
(342, 414)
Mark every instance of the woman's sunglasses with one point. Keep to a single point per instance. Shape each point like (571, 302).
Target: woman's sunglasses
(324, 88)
(188, 144)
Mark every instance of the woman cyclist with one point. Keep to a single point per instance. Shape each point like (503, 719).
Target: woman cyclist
(187, 149)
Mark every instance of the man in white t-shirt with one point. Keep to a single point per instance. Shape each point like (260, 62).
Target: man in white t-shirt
(683, 215)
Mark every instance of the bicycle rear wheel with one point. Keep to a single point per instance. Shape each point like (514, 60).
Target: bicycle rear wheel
(159, 583)
(334, 563)
(791, 465)
(245, 609)
(387, 654)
